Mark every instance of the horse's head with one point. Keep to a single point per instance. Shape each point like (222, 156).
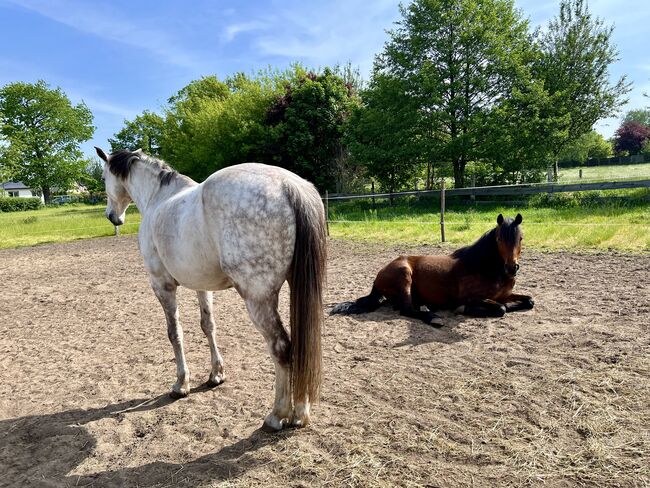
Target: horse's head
(509, 236)
(117, 195)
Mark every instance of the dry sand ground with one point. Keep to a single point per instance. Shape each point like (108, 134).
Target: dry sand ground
(558, 396)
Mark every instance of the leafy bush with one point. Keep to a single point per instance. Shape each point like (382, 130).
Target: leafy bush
(13, 204)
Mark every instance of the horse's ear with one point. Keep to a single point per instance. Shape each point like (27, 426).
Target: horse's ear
(500, 219)
(101, 154)
(138, 151)
(518, 219)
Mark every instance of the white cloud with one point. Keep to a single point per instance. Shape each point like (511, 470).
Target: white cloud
(325, 34)
(231, 31)
(92, 18)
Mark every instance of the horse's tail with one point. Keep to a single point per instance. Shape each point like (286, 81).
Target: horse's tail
(306, 281)
(366, 304)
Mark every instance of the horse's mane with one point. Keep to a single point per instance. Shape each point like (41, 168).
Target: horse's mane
(483, 255)
(120, 163)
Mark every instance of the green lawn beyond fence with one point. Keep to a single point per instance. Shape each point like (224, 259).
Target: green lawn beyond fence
(582, 221)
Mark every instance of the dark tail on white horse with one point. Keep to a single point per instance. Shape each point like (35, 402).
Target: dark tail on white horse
(366, 304)
(306, 280)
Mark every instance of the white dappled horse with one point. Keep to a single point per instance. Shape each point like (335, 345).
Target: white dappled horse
(249, 226)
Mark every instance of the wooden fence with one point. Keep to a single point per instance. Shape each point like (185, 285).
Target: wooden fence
(528, 189)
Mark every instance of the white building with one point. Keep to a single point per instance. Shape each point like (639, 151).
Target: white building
(18, 189)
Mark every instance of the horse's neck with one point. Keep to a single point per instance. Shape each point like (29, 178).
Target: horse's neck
(145, 189)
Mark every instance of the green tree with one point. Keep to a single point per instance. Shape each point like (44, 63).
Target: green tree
(145, 132)
(587, 146)
(457, 59)
(576, 54)
(640, 115)
(43, 130)
(307, 124)
(212, 124)
(382, 133)
(519, 135)
(93, 176)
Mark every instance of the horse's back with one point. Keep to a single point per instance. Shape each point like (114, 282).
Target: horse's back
(252, 221)
(429, 278)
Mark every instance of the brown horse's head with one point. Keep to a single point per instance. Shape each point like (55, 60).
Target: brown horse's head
(509, 236)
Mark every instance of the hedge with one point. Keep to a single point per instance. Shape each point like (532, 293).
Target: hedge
(15, 204)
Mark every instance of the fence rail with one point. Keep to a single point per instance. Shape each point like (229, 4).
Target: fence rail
(526, 189)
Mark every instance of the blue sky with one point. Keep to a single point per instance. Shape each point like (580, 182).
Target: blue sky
(122, 57)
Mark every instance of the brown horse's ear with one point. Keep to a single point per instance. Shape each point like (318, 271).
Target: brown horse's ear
(500, 219)
(518, 219)
(101, 154)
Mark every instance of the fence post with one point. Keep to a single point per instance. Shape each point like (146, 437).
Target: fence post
(117, 231)
(473, 195)
(549, 174)
(580, 173)
(372, 190)
(442, 210)
(327, 212)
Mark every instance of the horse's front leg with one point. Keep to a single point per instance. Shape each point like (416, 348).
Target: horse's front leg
(217, 375)
(482, 308)
(516, 302)
(265, 317)
(165, 290)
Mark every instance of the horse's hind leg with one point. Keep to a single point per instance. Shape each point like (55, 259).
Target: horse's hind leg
(265, 317)
(217, 375)
(165, 290)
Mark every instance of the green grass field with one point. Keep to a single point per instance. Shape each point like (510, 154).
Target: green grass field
(606, 173)
(58, 224)
(578, 222)
(582, 221)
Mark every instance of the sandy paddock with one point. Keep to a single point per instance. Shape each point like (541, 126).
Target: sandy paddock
(558, 396)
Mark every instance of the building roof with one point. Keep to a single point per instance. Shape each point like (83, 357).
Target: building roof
(14, 185)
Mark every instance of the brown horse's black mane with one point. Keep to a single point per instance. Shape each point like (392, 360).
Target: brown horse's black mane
(483, 256)
(120, 164)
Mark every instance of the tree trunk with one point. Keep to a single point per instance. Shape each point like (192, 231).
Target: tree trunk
(47, 194)
(459, 173)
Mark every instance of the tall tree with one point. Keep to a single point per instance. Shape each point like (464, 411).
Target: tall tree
(458, 59)
(589, 145)
(211, 124)
(631, 137)
(640, 115)
(382, 133)
(307, 124)
(576, 54)
(43, 131)
(145, 132)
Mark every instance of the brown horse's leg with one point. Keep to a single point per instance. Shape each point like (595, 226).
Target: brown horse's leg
(483, 308)
(408, 309)
(517, 302)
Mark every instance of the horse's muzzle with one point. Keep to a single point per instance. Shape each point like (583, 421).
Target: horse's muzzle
(115, 219)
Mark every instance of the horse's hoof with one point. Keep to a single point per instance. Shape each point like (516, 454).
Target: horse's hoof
(273, 424)
(213, 383)
(433, 320)
(174, 395)
(299, 423)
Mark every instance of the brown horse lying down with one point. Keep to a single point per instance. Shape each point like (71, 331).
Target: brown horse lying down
(475, 280)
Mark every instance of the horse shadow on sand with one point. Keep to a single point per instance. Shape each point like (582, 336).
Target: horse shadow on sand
(419, 332)
(41, 450)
